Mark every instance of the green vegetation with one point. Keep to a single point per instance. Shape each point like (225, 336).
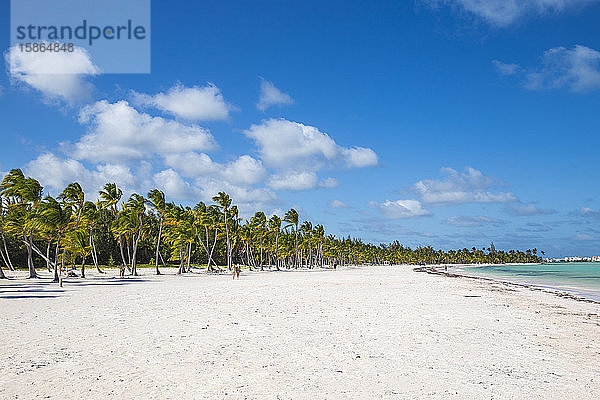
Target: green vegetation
(70, 230)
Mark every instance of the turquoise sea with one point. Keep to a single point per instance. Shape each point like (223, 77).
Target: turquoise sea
(582, 279)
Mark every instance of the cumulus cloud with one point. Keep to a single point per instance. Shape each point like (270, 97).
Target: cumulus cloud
(172, 183)
(472, 221)
(283, 143)
(337, 204)
(244, 170)
(271, 96)
(576, 69)
(293, 181)
(587, 212)
(119, 133)
(470, 186)
(502, 13)
(57, 75)
(401, 209)
(194, 103)
(55, 173)
(523, 210)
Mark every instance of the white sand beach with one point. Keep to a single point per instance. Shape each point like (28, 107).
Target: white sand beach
(364, 332)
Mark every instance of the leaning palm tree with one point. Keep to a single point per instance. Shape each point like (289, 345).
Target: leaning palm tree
(56, 217)
(89, 218)
(134, 213)
(73, 195)
(4, 250)
(259, 221)
(156, 200)
(109, 198)
(291, 217)
(224, 202)
(25, 193)
(275, 228)
(77, 245)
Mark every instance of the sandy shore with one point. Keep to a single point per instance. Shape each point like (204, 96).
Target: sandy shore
(372, 332)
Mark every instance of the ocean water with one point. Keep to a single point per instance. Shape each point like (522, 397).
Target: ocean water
(582, 279)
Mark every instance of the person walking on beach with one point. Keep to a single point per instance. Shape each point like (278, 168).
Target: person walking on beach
(236, 271)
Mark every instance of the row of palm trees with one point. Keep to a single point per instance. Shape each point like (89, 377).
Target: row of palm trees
(67, 231)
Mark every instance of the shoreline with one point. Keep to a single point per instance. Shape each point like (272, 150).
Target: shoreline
(564, 293)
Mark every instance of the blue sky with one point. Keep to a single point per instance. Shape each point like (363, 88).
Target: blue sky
(448, 123)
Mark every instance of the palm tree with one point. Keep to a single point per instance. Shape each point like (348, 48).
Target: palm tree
(90, 217)
(307, 229)
(73, 195)
(259, 221)
(224, 202)
(134, 213)
(77, 245)
(275, 228)
(26, 193)
(109, 198)
(157, 201)
(291, 217)
(56, 218)
(4, 251)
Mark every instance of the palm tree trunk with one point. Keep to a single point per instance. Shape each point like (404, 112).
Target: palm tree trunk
(261, 250)
(10, 265)
(181, 260)
(296, 242)
(189, 258)
(82, 266)
(4, 257)
(277, 251)
(94, 254)
(158, 246)
(228, 247)
(213, 247)
(122, 253)
(48, 256)
(56, 279)
(32, 273)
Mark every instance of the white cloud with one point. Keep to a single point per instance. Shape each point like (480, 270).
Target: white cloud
(468, 187)
(119, 133)
(271, 96)
(584, 237)
(57, 75)
(587, 212)
(56, 173)
(195, 103)
(191, 164)
(293, 181)
(472, 221)
(506, 69)
(283, 143)
(175, 186)
(505, 12)
(576, 69)
(245, 170)
(401, 209)
(337, 204)
(359, 157)
(329, 183)
(522, 210)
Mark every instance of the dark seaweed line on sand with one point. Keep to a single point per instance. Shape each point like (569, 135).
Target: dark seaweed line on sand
(435, 271)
